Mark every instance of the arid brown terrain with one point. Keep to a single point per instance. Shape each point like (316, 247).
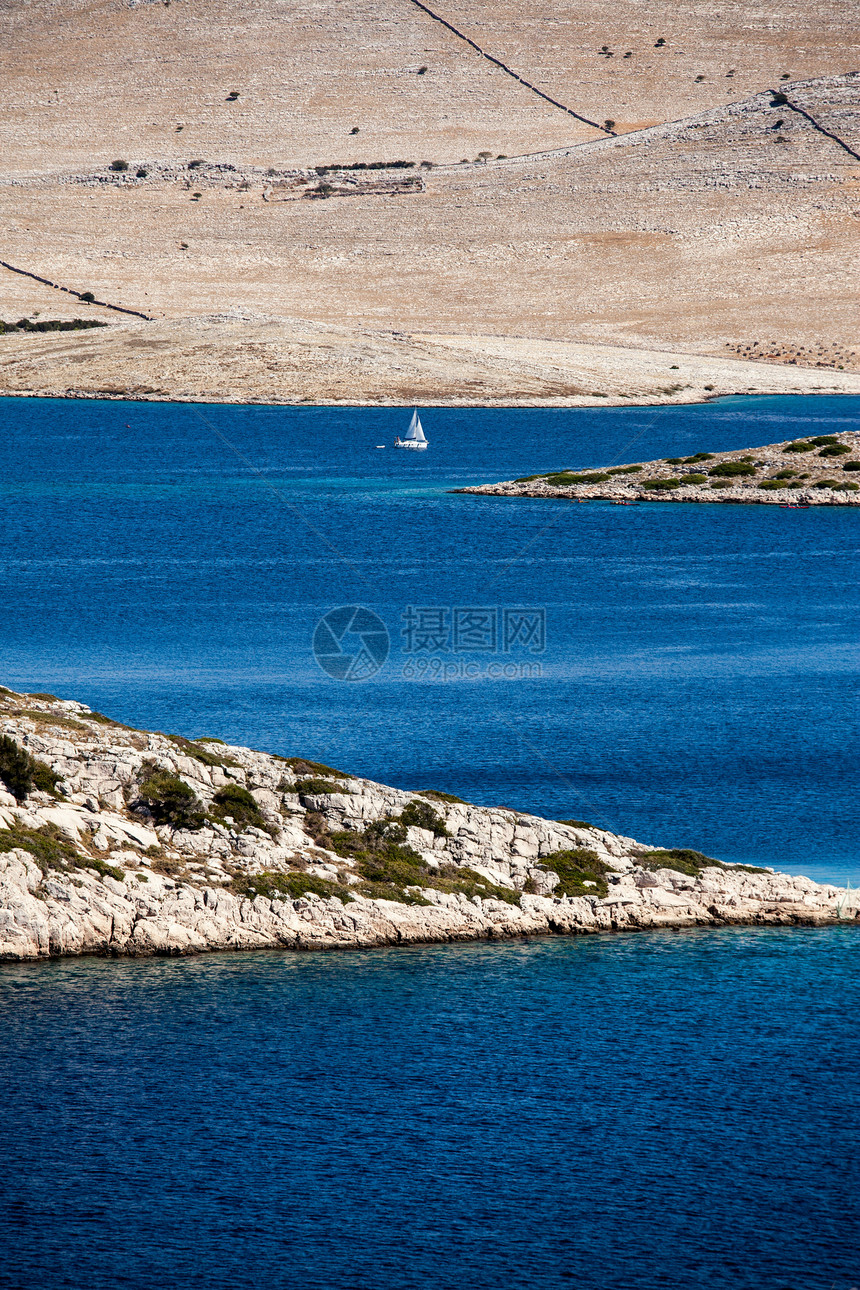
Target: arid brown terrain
(699, 237)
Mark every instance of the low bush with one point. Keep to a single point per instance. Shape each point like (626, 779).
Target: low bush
(581, 872)
(205, 756)
(675, 461)
(392, 870)
(693, 479)
(169, 800)
(568, 480)
(49, 324)
(437, 795)
(851, 465)
(292, 886)
(421, 815)
(52, 850)
(660, 484)
(21, 773)
(721, 483)
(834, 450)
(826, 483)
(238, 803)
(119, 165)
(847, 486)
(786, 474)
(799, 446)
(771, 484)
(624, 470)
(685, 860)
(698, 456)
(729, 469)
(822, 439)
(577, 824)
(309, 787)
(301, 766)
(141, 173)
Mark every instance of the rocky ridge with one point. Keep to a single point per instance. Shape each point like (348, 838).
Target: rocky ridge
(116, 841)
(816, 471)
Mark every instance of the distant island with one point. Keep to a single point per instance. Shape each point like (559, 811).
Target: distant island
(818, 471)
(117, 841)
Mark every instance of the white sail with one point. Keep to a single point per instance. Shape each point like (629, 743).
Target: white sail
(414, 437)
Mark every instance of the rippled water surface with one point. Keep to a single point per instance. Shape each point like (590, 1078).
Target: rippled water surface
(657, 1110)
(168, 564)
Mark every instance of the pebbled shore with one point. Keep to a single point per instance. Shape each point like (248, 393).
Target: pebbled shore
(126, 885)
(778, 474)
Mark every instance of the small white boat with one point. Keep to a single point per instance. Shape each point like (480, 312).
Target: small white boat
(414, 438)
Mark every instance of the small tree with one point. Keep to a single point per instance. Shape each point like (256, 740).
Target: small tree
(119, 165)
(16, 768)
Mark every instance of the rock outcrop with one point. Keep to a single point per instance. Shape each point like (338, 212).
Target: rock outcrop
(817, 471)
(124, 842)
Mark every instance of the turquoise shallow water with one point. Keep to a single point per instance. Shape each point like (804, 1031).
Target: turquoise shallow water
(698, 683)
(660, 1110)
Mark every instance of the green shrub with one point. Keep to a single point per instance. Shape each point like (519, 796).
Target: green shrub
(422, 816)
(785, 474)
(624, 470)
(87, 297)
(847, 486)
(51, 849)
(292, 886)
(684, 860)
(660, 484)
(693, 479)
(567, 480)
(205, 756)
(851, 465)
(834, 450)
(721, 483)
(822, 439)
(437, 795)
(391, 869)
(308, 787)
(675, 461)
(826, 483)
(16, 768)
(728, 469)
(238, 803)
(773, 483)
(119, 165)
(141, 173)
(169, 800)
(799, 446)
(577, 824)
(301, 766)
(698, 456)
(581, 872)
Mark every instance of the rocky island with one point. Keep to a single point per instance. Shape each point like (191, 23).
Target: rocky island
(817, 471)
(117, 841)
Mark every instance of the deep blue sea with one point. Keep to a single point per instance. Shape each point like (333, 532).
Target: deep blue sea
(662, 1110)
(168, 564)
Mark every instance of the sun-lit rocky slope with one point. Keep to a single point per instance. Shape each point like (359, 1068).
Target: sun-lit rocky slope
(715, 218)
(120, 841)
(821, 470)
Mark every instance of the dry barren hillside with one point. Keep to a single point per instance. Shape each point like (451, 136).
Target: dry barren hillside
(711, 208)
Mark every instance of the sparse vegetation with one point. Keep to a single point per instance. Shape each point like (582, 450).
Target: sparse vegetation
(52, 850)
(437, 795)
(421, 815)
(21, 773)
(236, 802)
(581, 872)
(311, 787)
(169, 800)
(657, 485)
(49, 324)
(684, 860)
(301, 766)
(730, 469)
(289, 886)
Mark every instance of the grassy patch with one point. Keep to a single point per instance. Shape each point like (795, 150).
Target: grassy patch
(693, 479)
(289, 886)
(624, 470)
(392, 870)
(310, 787)
(581, 872)
(203, 755)
(577, 824)
(728, 469)
(771, 484)
(798, 446)
(567, 480)
(52, 719)
(439, 796)
(52, 850)
(684, 860)
(300, 766)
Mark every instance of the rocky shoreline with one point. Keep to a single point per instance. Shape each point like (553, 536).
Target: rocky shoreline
(818, 471)
(115, 841)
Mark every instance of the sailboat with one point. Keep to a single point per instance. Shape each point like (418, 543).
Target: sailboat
(414, 435)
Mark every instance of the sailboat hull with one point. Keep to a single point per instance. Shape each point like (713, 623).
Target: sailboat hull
(412, 444)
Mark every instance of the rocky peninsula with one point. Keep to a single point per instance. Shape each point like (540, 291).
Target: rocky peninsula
(822, 470)
(116, 841)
